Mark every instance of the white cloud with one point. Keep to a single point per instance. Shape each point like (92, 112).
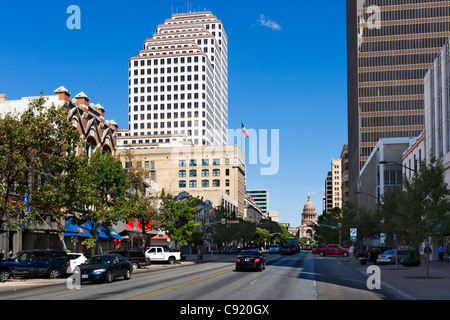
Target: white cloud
(268, 23)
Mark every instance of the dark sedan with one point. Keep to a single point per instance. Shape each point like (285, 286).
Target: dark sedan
(250, 259)
(106, 267)
(287, 250)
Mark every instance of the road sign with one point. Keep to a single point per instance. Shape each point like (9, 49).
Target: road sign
(353, 234)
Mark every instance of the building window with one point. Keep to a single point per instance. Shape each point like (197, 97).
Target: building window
(205, 162)
(205, 173)
(216, 172)
(193, 163)
(216, 162)
(182, 173)
(182, 184)
(192, 173)
(205, 183)
(182, 163)
(193, 184)
(216, 183)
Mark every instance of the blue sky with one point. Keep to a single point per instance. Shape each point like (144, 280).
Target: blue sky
(287, 71)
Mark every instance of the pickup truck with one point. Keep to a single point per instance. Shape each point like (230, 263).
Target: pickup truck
(332, 249)
(163, 254)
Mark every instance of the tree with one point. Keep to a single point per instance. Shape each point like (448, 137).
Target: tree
(37, 148)
(424, 204)
(143, 205)
(99, 190)
(262, 236)
(177, 218)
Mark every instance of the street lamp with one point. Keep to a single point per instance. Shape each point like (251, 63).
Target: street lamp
(367, 194)
(399, 163)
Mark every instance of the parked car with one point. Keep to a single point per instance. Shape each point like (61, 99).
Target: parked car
(50, 263)
(162, 254)
(332, 249)
(250, 259)
(274, 248)
(307, 247)
(388, 257)
(106, 267)
(75, 259)
(136, 257)
(372, 254)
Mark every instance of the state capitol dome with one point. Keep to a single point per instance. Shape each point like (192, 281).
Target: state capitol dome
(309, 215)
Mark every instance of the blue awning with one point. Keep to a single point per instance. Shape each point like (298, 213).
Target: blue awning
(73, 230)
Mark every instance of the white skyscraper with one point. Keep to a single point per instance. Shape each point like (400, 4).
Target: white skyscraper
(178, 84)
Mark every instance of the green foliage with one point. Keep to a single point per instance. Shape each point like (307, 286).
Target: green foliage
(37, 148)
(177, 218)
(419, 209)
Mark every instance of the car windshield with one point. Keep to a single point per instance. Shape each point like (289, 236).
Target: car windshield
(389, 252)
(274, 245)
(99, 260)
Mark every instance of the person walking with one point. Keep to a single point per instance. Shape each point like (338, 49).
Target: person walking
(200, 255)
(441, 253)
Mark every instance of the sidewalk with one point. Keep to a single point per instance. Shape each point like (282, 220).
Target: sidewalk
(411, 282)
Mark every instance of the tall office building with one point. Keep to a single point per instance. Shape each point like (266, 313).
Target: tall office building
(261, 198)
(391, 45)
(178, 83)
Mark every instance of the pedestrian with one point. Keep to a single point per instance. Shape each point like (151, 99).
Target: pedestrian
(200, 255)
(441, 253)
(9, 254)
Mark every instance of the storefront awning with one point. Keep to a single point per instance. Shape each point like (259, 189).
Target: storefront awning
(73, 230)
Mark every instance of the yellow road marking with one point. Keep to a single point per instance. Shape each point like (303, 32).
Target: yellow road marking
(154, 293)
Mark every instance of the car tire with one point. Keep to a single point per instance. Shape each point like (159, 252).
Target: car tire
(5, 275)
(322, 254)
(172, 260)
(54, 273)
(345, 254)
(135, 266)
(109, 277)
(127, 275)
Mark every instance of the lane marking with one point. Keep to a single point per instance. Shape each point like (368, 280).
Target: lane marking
(154, 293)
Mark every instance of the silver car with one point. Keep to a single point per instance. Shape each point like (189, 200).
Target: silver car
(388, 257)
(274, 248)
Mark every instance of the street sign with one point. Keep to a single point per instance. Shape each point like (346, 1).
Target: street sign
(353, 234)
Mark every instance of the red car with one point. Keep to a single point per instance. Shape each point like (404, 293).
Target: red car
(332, 249)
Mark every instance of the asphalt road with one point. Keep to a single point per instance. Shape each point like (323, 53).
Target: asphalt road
(302, 276)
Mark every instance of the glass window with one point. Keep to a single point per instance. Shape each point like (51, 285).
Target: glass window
(205, 183)
(216, 183)
(182, 173)
(205, 173)
(182, 184)
(216, 172)
(182, 163)
(192, 173)
(193, 184)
